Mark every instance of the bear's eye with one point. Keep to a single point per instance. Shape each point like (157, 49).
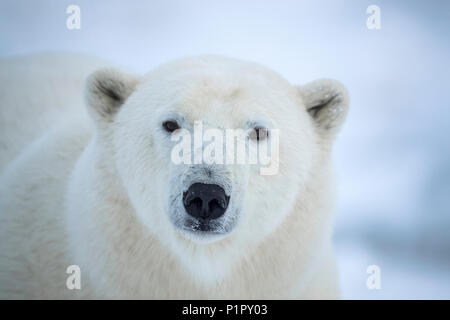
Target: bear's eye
(170, 125)
(259, 133)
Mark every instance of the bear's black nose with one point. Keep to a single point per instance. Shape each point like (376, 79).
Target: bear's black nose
(205, 201)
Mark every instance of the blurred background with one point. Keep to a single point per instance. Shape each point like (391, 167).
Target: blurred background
(392, 157)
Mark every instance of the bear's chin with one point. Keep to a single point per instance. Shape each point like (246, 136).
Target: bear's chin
(202, 237)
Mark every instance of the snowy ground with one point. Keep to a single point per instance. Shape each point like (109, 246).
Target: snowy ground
(393, 156)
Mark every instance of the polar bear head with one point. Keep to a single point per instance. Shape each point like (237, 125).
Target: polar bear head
(159, 130)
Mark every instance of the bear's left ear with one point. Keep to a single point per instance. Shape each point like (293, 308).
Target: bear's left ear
(106, 91)
(326, 101)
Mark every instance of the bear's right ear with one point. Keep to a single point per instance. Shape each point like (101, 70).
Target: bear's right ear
(106, 90)
(326, 101)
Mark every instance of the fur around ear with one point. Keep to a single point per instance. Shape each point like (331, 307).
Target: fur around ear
(327, 102)
(106, 90)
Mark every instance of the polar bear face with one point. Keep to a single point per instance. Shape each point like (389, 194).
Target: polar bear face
(144, 121)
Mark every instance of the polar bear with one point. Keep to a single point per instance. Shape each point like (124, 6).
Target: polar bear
(87, 179)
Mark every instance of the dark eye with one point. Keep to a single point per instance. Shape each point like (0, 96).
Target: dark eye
(170, 125)
(259, 133)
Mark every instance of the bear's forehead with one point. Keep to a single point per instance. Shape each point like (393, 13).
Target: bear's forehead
(226, 91)
(220, 100)
(218, 76)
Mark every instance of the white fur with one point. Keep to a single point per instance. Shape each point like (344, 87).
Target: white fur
(97, 189)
